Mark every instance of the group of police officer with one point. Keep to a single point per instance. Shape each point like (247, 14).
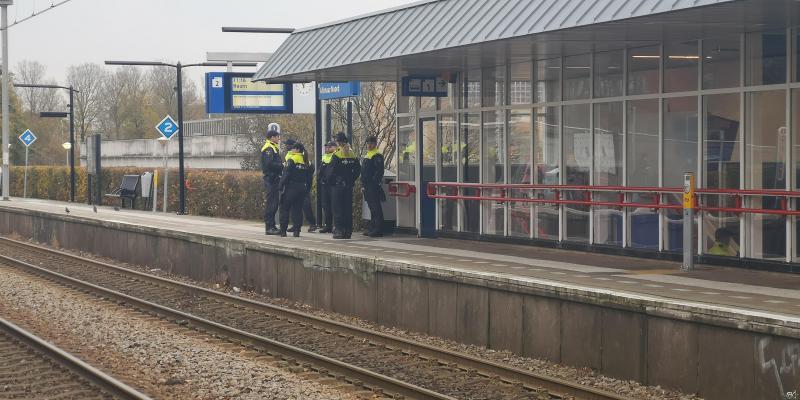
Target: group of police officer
(288, 182)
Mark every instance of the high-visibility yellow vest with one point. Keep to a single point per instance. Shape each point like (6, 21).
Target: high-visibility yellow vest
(326, 158)
(371, 153)
(269, 145)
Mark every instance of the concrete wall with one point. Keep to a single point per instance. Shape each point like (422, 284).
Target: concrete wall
(202, 152)
(709, 353)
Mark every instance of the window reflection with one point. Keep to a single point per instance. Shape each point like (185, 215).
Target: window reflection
(577, 164)
(643, 70)
(642, 159)
(680, 66)
(721, 62)
(607, 170)
(469, 159)
(608, 74)
(548, 80)
(493, 169)
(448, 209)
(577, 77)
(547, 152)
(521, 88)
(680, 156)
(765, 58)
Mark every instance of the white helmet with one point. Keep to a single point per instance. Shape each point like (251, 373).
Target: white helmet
(274, 127)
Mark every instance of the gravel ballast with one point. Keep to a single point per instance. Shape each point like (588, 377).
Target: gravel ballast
(159, 358)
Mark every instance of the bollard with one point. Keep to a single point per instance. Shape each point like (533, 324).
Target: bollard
(688, 221)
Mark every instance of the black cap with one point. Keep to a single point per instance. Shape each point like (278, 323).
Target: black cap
(330, 144)
(372, 139)
(272, 134)
(297, 146)
(341, 137)
(289, 142)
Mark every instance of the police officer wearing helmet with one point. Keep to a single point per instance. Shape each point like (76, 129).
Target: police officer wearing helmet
(294, 184)
(371, 180)
(326, 219)
(342, 175)
(271, 167)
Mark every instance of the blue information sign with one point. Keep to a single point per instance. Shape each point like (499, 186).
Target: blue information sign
(424, 86)
(338, 90)
(167, 127)
(27, 138)
(233, 92)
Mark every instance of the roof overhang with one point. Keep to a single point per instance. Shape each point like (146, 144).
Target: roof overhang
(384, 47)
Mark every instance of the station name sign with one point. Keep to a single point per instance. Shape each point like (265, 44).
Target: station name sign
(235, 92)
(416, 86)
(339, 90)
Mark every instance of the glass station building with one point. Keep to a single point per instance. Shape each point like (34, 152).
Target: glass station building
(603, 103)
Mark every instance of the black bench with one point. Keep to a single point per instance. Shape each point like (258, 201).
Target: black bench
(126, 190)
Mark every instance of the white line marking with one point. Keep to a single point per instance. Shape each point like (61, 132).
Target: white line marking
(627, 282)
(557, 273)
(602, 279)
(581, 276)
(740, 297)
(710, 293)
(774, 301)
(681, 290)
(653, 286)
(481, 262)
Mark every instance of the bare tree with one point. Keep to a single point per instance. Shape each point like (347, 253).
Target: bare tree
(373, 115)
(111, 103)
(88, 79)
(35, 100)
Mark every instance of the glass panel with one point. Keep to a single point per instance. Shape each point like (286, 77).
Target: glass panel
(546, 158)
(608, 73)
(407, 143)
(494, 85)
(548, 80)
(608, 170)
(721, 62)
(577, 77)
(680, 66)
(796, 159)
(642, 170)
(471, 92)
(765, 152)
(721, 170)
(765, 57)
(469, 159)
(427, 104)
(521, 88)
(446, 103)
(493, 171)
(519, 164)
(680, 156)
(429, 149)
(404, 103)
(643, 67)
(577, 164)
(448, 209)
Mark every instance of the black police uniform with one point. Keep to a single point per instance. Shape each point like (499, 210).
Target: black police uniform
(325, 193)
(342, 175)
(307, 210)
(271, 167)
(295, 182)
(371, 179)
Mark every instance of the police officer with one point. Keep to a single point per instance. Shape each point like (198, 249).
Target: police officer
(371, 180)
(342, 175)
(325, 189)
(309, 213)
(294, 184)
(271, 167)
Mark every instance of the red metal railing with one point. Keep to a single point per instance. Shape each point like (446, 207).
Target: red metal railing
(401, 189)
(585, 196)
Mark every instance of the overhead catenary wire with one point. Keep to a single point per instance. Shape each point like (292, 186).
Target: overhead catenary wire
(35, 13)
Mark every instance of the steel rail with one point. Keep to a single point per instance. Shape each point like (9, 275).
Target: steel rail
(368, 378)
(508, 373)
(88, 372)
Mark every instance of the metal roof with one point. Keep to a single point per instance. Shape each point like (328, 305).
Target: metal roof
(433, 25)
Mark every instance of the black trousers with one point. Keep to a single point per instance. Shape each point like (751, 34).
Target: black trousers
(307, 210)
(372, 195)
(327, 208)
(271, 186)
(292, 204)
(342, 204)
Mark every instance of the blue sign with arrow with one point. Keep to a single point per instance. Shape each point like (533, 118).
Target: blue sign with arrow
(167, 127)
(27, 138)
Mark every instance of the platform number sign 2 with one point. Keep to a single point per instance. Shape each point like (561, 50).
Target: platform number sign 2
(27, 138)
(167, 127)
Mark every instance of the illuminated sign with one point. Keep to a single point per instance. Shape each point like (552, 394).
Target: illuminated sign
(229, 92)
(330, 91)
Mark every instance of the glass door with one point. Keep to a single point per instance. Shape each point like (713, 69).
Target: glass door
(428, 149)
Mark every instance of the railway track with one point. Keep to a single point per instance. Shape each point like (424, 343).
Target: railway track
(395, 366)
(34, 368)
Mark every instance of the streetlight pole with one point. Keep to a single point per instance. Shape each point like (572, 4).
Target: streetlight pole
(71, 115)
(4, 4)
(179, 87)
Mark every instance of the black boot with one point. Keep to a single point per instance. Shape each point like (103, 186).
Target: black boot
(326, 230)
(296, 233)
(338, 235)
(282, 233)
(272, 231)
(312, 228)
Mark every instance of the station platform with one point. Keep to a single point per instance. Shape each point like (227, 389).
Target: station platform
(715, 331)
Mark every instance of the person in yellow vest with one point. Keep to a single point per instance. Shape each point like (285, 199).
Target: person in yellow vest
(722, 244)
(371, 181)
(342, 175)
(326, 219)
(271, 167)
(294, 185)
(307, 211)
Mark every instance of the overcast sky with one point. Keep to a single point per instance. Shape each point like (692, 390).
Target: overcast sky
(174, 30)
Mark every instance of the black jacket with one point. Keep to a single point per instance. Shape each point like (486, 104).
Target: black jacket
(344, 169)
(299, 173)
(271, 163)
(372, 170)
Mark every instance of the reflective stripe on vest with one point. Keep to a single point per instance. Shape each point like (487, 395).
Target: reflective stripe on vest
(269, 145)
(371, 153)
(326, 158)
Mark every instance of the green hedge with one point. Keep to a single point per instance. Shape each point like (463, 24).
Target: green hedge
(213, 193)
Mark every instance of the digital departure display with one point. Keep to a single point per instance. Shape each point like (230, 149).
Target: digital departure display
(228, 92)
